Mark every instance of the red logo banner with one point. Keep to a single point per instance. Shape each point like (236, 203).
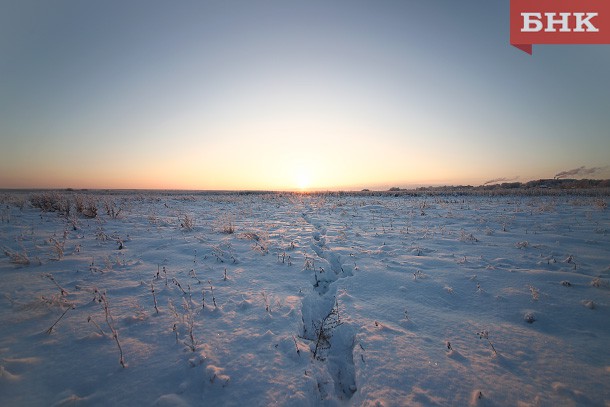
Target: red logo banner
(559, 22)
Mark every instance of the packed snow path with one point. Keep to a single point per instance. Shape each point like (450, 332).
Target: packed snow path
(338, 348)
(306, 300)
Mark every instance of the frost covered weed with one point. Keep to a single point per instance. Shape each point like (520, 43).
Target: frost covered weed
(187, 222)
(599, 283)
(309, 263)
(600, 203)
(188, 320)
(50, 202)
(17, 201)
(73, 220)
(229, 228)
(70, 306)
(101, 298)
(158, 275)
(20, 258)
(485, 335)
(324, 330)
(5, 215)
(50, 277)
(112, 209)
(212, 291)
(57, 247)
(101, 235)
(467, 237)
(261, 241)
(547, 207)
(226, 224)
(284, 258)
(86, 206)
(266, 300)
(535, 293)
(152, 289)
(177, 284)
(192, 274)
(190, 342)
(90, 319)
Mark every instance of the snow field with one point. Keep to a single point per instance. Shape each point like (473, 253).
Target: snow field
(291, 299)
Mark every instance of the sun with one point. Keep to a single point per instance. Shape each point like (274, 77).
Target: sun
(302, 179)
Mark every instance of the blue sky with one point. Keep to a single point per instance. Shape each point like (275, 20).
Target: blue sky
(290, 94)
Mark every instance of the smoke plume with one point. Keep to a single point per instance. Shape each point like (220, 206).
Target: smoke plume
(580, 171)
(501, 179)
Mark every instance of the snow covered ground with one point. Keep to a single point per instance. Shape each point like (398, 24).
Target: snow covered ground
(287, 299)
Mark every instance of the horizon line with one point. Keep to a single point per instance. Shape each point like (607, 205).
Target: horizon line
(297, 190)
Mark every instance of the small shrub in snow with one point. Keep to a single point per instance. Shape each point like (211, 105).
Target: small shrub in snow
(85, 206)
(187, 222)
(50, 202)
(589, 304)
(112, 209)
(227, 225)
(17, 201)
(566, 283)
(599, 283)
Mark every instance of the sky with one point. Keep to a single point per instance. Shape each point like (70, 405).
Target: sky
(288, 95)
